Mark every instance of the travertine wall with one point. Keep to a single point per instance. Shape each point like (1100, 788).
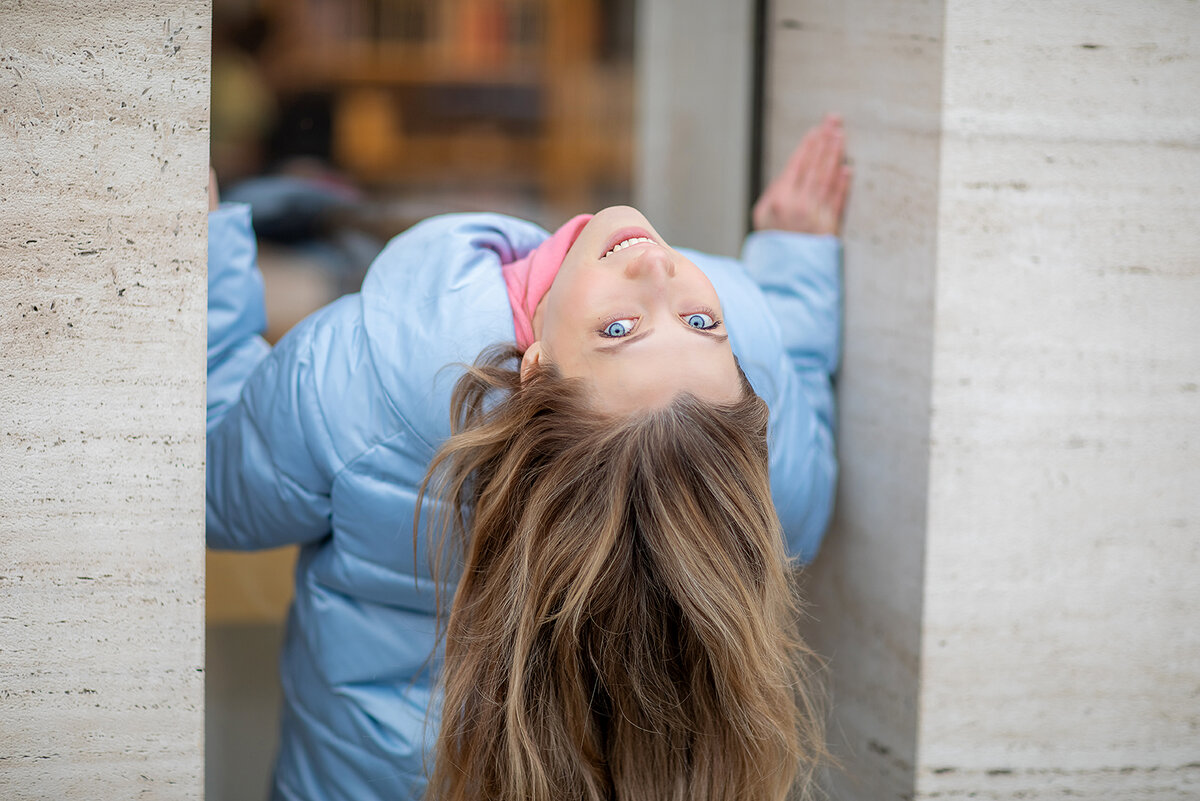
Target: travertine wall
(1061, 649)
(103, 173)
(879, 64)
(1009, 596)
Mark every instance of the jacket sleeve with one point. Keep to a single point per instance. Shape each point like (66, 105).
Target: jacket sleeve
(800, 277)
(264, 488)
(236, 314)
(270, 458)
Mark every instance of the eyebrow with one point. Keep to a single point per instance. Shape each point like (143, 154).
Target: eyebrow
(627, 341)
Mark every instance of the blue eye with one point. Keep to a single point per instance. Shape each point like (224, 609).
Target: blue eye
(700, 320)
(617, 328)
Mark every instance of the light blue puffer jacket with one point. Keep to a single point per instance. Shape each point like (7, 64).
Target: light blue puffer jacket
(332, 431)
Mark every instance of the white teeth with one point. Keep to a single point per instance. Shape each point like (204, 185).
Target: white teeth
(627, 242)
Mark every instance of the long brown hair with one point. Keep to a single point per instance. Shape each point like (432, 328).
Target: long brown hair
(623, 626)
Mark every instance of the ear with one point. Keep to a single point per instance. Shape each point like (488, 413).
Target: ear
(532, 358)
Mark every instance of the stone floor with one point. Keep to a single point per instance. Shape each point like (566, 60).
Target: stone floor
(242, 699)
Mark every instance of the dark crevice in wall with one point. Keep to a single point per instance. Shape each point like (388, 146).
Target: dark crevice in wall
(758, 84)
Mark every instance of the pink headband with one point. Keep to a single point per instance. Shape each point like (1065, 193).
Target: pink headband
(529, 278)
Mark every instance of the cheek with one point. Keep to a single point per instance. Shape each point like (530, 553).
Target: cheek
(582, 298)
(564, 324)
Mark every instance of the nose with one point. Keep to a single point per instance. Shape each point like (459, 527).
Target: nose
(653, 261)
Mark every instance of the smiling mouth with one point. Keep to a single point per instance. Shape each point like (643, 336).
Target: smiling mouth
(625, 243)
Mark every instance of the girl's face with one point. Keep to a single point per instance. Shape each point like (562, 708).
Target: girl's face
(635, 319)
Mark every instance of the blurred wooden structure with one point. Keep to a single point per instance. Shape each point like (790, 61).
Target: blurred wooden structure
(430, 91)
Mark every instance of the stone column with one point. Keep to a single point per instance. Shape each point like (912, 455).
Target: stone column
(695, 74)
(1008, 599)
(103, 174)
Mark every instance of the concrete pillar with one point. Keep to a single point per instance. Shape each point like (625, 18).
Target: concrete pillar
(695, 73)
(103, 174)
(1008, 599)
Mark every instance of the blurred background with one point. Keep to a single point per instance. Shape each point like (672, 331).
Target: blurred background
(343, 122)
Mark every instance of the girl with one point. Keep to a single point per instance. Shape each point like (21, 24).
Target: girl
(615, 494)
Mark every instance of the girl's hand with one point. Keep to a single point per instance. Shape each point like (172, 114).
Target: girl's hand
(809, 195)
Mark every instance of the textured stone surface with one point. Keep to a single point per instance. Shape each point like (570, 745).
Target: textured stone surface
(1008, 597)
(1060, 645)
(880, 66)
(103, 168)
